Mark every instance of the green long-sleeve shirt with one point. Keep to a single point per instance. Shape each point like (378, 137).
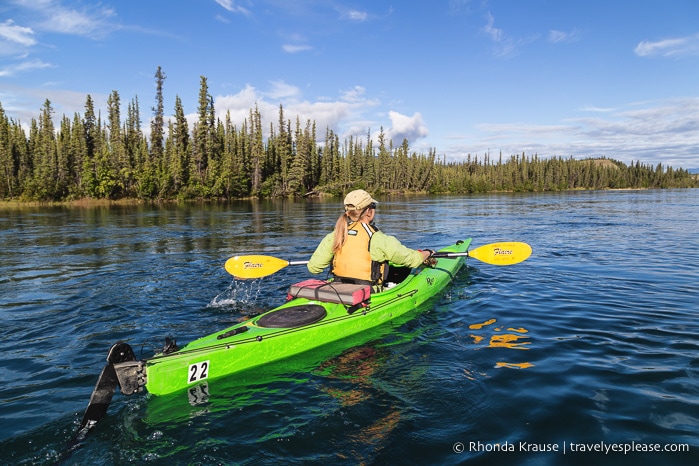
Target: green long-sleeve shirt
(382, 248)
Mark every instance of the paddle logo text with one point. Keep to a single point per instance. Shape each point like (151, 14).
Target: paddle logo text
(252, 265)
(503, 252)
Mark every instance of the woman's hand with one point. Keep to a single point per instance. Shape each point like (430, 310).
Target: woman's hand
(428, 260)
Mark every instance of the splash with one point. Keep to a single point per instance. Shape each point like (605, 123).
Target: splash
(240, 293)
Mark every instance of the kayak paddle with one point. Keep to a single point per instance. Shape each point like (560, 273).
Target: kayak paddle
(258, 266)
(508, 253)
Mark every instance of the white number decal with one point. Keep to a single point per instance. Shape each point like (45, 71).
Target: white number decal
(198, 371)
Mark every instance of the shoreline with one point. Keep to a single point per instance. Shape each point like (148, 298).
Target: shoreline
(91, 202)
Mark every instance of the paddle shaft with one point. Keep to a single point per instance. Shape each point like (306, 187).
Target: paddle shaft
(437, 255)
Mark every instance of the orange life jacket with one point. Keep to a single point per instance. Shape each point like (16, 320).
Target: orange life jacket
(353, 260)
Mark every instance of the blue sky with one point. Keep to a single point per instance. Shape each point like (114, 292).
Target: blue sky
(581, 78)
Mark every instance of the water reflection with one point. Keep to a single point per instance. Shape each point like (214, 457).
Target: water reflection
(513, 338)
(356, 365)
(356, 368)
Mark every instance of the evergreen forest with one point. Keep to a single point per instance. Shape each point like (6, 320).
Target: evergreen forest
(92, 157)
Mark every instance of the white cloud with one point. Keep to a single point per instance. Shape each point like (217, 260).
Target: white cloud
(232, 7)
(23, 66)
(16, 34)
(677, 47)
(238, 104)
(24, 104)
(325, 114)
(504, 46)
(78, 23)
(406, 127)
(91, 21)
(459, 7)
(333, 115)
(281, 90)
(356, 15)
(560, 36)
(345, 115)
(355, 94)
(592, 108)
(495, 34)
(652, 132)
(295, 48)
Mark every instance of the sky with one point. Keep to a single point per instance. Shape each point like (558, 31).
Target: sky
(580, 78)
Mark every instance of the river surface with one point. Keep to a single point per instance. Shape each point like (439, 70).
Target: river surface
(587, 349)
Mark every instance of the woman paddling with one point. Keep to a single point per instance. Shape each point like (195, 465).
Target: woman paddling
(358, 252)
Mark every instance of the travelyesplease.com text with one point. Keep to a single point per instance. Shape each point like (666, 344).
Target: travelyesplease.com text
(570, 447)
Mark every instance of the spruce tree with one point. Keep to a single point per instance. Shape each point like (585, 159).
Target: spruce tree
(181, 158)
(8, 165)
(158, 122)
(202, 135)
(45, 177)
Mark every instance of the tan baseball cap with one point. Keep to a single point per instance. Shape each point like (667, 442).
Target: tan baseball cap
(358, 200)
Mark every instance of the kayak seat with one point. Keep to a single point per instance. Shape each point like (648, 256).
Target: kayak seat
(330, 292)
(291, 317)
(397, 274)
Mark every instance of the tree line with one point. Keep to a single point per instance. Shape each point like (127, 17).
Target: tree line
(89, 156)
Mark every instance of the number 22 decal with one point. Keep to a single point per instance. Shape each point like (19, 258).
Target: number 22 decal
(198, 371)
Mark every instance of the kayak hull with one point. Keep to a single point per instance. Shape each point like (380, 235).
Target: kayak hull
(254, 342)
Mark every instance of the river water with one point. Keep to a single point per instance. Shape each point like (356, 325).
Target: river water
(587, 350)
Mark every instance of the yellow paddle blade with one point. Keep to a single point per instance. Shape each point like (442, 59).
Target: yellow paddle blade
(254, 266)
(502, 253)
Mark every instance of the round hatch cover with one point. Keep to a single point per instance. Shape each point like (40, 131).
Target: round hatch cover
(291, 317)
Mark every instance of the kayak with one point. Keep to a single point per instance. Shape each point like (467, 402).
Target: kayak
(295, 327)
(316, 313)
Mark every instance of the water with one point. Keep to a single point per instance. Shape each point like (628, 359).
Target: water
(591, 343)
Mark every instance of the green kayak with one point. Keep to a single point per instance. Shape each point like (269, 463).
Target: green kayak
(317, 313)
(299, 325)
